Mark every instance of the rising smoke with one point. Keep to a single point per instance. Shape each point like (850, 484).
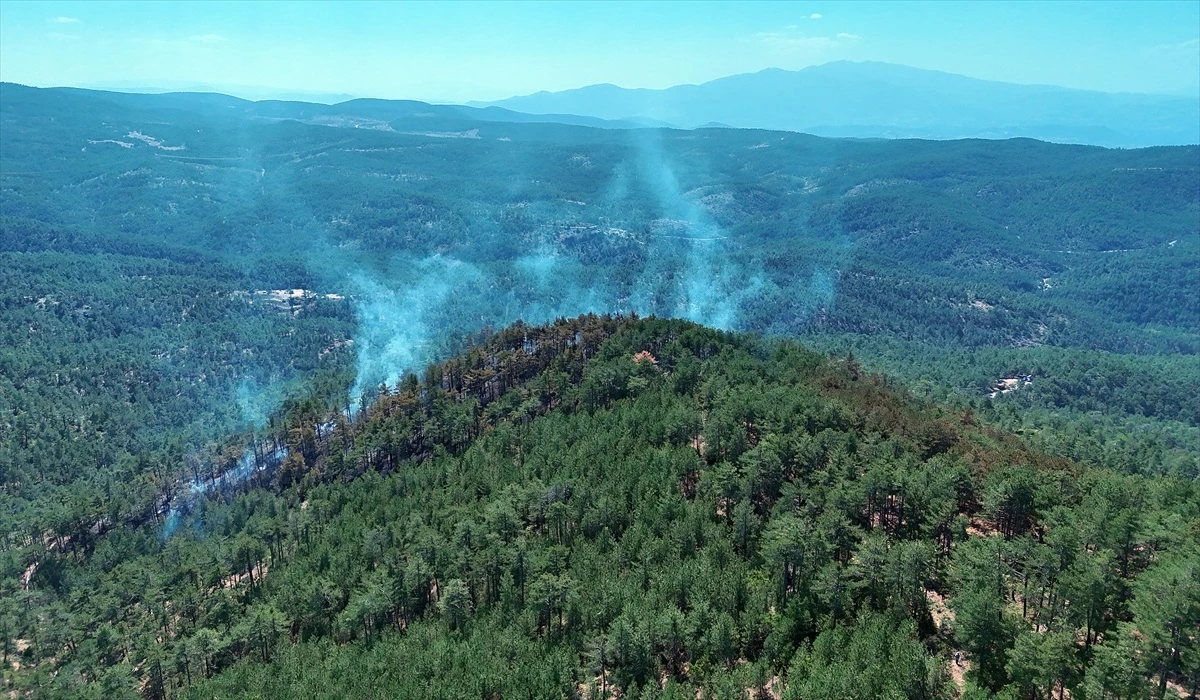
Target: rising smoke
(256, 399)
(691, 251)
(398, 322)
(678, 261)
(689, 268)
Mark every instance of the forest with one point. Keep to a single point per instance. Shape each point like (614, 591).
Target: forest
(290, 392)
(645, 508)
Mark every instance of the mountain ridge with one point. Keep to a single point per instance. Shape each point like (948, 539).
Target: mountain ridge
(898, 101)
(212, 104)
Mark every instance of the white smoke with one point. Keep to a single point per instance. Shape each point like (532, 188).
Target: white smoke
(398, 324)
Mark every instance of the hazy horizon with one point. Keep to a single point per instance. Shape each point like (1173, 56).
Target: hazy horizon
(300, 94)
(462, 52)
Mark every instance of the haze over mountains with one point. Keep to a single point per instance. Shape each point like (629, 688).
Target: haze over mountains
(246, 92)
(884, 100)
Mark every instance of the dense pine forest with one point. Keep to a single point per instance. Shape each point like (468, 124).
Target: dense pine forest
(640, 507)
(382, 399)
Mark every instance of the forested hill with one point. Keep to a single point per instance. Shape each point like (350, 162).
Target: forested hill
(192, 286)
(610, 506)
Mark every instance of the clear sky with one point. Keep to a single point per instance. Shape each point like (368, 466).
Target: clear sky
(458, 51)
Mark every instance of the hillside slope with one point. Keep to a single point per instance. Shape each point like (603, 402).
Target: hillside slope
(646, 506)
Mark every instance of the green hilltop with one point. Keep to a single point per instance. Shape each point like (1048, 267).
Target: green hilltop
(645, 508)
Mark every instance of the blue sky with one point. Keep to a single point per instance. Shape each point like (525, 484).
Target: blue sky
(461, 51)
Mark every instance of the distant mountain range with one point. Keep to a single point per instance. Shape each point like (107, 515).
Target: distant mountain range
(884, 100)
(246, 92)
(361, 113)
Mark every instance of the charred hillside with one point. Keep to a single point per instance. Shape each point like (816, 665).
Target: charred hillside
(524, 371)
